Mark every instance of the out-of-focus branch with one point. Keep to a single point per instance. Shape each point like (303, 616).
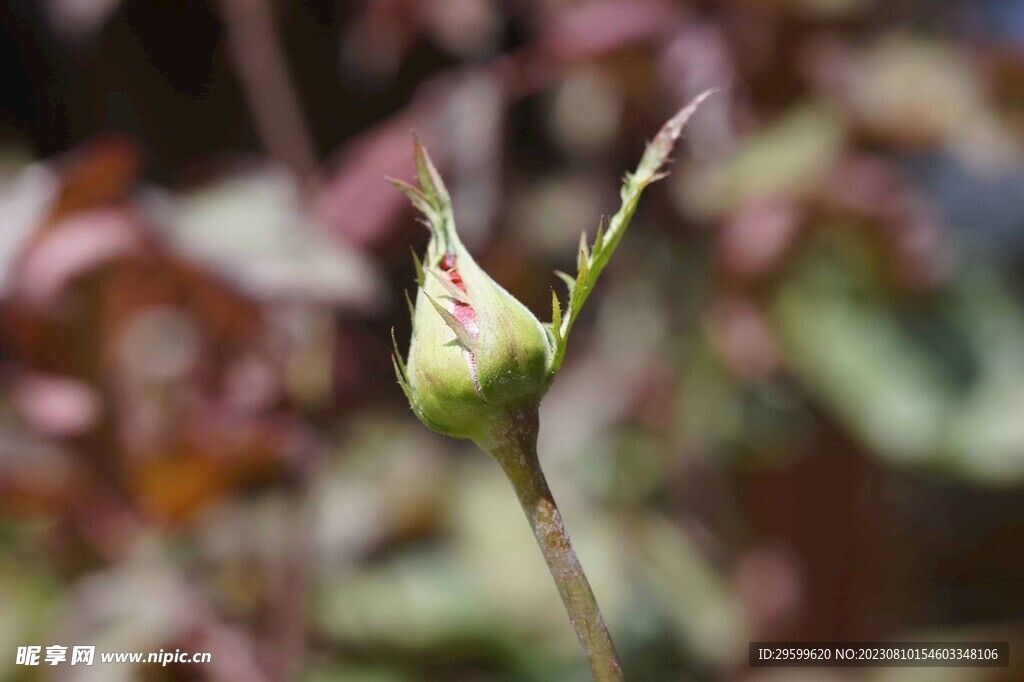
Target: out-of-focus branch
(259, 61)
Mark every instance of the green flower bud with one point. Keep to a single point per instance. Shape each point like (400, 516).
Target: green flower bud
(478, 357)
(476, 351)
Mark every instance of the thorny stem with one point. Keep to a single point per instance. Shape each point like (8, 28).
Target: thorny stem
(514, 445)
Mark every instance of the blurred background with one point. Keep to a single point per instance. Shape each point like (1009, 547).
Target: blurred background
(793, 410)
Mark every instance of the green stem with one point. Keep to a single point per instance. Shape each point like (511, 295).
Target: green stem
(514, 445)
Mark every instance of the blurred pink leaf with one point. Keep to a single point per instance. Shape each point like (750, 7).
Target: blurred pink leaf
(354, 198)
(742, 336)
(753, 240)
(588, 29)
(770, 587)
(71, 248)
(56, 406)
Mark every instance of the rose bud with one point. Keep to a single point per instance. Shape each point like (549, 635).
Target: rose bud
(476, 352)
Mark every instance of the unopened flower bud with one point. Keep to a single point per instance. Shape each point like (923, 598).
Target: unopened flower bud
(478, 358)
(476, 351)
